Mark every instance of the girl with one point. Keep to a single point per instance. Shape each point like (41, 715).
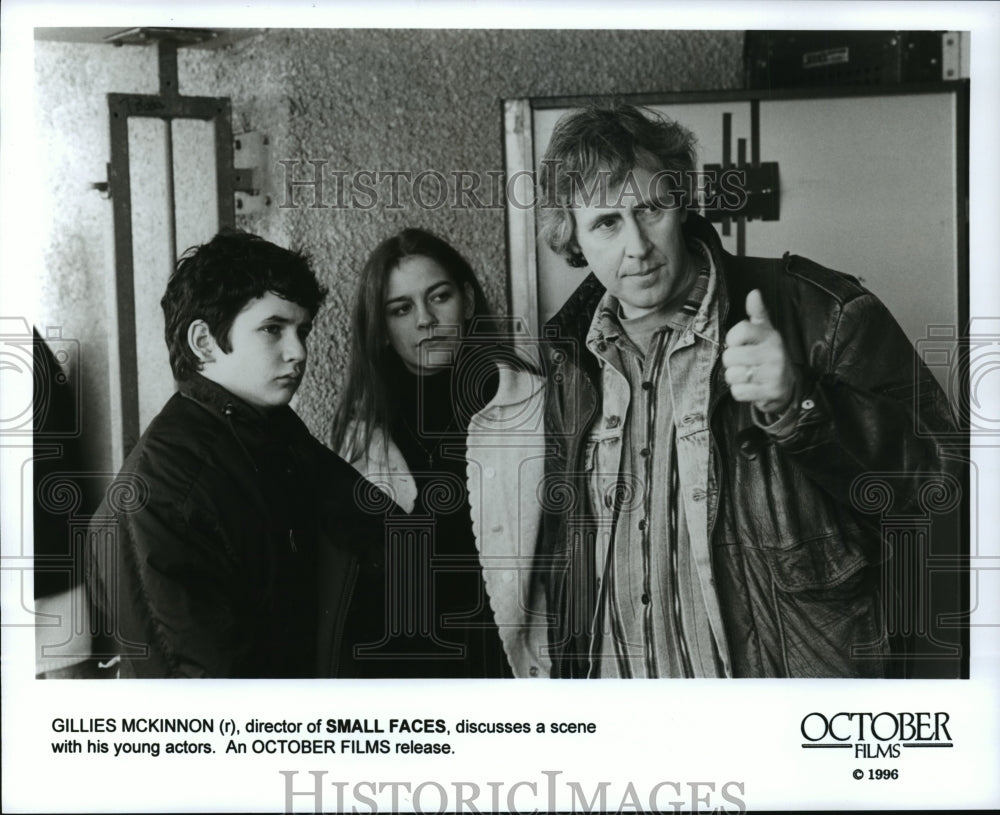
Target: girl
(433, 390)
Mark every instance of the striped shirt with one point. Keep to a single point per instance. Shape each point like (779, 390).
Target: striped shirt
(652, 618)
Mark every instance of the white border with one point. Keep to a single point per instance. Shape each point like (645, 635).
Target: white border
(647, 732)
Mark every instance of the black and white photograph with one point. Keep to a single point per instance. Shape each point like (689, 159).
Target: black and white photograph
(361, 361)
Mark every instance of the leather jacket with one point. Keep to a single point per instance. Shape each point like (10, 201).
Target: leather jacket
(795, 555)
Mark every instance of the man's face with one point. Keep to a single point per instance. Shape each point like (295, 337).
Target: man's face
(268, 356)
(633, 242)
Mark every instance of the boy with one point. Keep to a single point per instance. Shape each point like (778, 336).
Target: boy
(204, 551)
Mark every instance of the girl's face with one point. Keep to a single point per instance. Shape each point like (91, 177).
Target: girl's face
(424, 314)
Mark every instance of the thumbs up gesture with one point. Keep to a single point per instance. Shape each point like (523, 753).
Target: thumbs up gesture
(755, 361)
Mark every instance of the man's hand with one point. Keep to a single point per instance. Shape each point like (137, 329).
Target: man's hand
(757, 366)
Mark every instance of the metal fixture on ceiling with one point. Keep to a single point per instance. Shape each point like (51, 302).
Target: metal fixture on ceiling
(205, 38)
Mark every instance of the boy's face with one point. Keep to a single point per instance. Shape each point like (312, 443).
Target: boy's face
(268, 356)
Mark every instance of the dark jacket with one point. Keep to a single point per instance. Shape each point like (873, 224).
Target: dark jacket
(203, 554)
(795, 555)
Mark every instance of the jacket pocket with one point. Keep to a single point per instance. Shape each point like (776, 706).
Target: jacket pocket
(820, 563)
(826, 610)
(603, 439)
(601, 462)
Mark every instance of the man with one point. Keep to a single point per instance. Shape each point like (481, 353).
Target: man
(709, 414)
(203, 555)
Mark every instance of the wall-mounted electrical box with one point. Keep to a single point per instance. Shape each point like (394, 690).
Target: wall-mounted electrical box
(821, 59)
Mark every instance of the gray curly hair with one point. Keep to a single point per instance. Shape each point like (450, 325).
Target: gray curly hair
(611, 141)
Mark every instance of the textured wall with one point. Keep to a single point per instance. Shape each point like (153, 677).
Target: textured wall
(75, 221)
(370, 100)
(420, 100)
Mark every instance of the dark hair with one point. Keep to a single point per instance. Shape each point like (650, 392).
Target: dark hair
(214, 282)
(372, 358)
(611, 141)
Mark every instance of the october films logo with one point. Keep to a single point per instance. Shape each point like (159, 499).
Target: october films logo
(876, 735)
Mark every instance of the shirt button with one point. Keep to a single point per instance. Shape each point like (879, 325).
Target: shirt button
(642, 524)
(612, 422)
(645, 599)
(533, 670)
(644, 452)
(489, 472)
(498, 528)
(808, 404)
(508, 577)
(647, 386)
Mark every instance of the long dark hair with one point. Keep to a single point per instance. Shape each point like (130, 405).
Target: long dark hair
(372, 359)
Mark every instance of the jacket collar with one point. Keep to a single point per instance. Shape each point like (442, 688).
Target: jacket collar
(516, 388)
(577, 313)
(696, 312)
(697, 227)
(221, 402)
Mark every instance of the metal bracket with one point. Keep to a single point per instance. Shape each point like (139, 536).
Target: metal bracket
(251, 173)
(759, 192)
(743, 190)
(103, 187)
(955, 55)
